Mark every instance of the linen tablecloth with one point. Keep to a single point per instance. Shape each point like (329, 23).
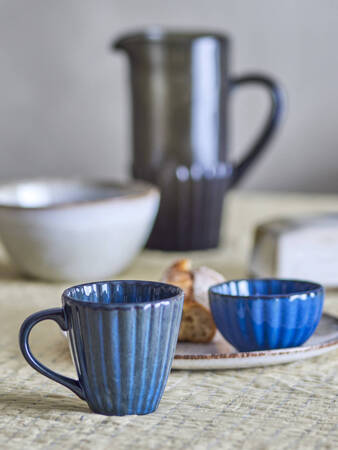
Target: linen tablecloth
(287, 406)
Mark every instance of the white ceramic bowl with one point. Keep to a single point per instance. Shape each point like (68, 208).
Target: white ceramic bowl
(75, 230)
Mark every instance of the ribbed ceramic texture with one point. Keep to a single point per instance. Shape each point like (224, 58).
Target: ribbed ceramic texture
(123, 342)
(266, 314)
(191, 205)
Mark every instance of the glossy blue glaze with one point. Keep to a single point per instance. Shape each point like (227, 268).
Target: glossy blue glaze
(123, 336)
(262, 314)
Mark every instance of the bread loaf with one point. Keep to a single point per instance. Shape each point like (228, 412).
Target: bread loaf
(197, 324)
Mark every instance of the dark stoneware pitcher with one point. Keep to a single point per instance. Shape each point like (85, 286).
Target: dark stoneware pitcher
(180, 86)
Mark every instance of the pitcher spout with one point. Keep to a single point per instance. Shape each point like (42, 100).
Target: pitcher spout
(127, 41)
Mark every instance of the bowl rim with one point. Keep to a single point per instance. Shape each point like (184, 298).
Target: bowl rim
(66, 298)
(316, 287)
(145, 189)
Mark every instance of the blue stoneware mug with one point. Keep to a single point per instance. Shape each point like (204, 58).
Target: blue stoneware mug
(264, 314)
(123, 336)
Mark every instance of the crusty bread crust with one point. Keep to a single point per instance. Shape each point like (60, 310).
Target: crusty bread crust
(180, 275)
(197, 324)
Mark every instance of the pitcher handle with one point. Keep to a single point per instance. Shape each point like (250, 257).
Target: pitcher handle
(56, 314)
(272, 122)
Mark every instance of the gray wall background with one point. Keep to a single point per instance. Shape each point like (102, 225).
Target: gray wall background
(64, 99)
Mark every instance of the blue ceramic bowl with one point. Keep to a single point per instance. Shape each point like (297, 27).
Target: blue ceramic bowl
(264, 314)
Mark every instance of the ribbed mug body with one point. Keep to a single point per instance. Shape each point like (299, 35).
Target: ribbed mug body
(123, 338)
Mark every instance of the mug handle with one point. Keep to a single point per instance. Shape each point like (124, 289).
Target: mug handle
(56, 314)
(272, 122)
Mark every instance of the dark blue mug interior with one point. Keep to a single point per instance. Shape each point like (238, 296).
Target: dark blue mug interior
(265, 288)
(121, 292)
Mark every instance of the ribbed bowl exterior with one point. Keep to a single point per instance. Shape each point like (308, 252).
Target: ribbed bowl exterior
(123, 352)
(250, 321)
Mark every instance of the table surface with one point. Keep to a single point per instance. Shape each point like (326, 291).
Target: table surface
(287, 406)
